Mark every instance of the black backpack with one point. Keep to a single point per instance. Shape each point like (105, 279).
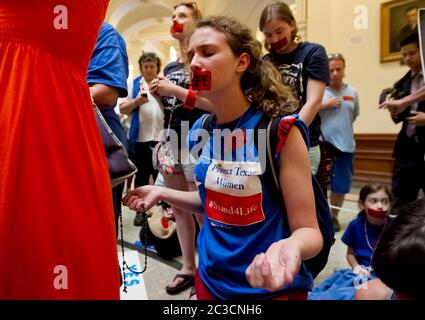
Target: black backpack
(317, 264)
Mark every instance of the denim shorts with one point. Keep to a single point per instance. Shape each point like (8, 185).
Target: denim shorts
(342, 172)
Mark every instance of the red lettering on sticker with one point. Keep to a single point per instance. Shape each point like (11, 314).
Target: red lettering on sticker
(348, 98)
(234, 210)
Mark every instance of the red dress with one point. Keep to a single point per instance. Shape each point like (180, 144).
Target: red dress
(57, 234)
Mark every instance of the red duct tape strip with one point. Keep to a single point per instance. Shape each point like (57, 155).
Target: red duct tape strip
(201, 80)
(280, 44)
(176, 28)
(379, 214)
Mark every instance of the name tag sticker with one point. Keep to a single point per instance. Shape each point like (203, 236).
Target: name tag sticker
(234, 193)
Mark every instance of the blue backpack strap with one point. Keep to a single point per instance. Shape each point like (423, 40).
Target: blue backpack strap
(206, 122)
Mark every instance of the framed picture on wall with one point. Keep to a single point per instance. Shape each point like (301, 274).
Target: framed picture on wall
(421, 30)
(398, 19)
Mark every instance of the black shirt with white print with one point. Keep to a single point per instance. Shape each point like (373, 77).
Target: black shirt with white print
(308, 60)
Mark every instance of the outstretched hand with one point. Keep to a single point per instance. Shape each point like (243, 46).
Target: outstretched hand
(142, 198)
(276, 268)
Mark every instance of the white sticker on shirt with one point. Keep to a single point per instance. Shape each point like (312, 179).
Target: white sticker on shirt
(234, 193)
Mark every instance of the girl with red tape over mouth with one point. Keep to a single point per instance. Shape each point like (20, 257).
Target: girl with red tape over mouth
(303, 66)
(375, 202)
(363, 232)
(280, 29)
(174, 89)
(183, 16)
(361, 237)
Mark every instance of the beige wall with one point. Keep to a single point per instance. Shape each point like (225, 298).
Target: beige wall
(331, 23)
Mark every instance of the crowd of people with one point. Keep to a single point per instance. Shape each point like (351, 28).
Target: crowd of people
(194, 138)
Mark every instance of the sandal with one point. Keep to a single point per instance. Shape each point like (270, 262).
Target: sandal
(188, 281)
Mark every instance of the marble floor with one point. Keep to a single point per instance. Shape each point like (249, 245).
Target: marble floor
(160, 272)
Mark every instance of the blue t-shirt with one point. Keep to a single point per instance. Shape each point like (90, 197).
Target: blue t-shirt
(242, 218)
(308, 60)
(355, 237)
(337, 123)
(109, 66)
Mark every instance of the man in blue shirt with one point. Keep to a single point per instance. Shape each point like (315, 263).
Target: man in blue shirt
(107, 78)
(340, 109)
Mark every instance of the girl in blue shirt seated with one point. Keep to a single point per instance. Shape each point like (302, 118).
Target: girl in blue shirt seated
(361, 237)
(363, 232)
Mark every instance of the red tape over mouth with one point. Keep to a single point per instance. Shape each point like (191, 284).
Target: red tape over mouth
(280, 44)
(176, 28)
(201, 80)
(379, 214)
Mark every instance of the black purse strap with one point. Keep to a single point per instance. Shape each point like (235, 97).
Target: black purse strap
(117, 143)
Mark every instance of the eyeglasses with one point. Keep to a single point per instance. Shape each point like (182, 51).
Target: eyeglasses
(192, 5)
(332, 56)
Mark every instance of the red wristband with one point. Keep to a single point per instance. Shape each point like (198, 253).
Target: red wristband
(190, 99)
